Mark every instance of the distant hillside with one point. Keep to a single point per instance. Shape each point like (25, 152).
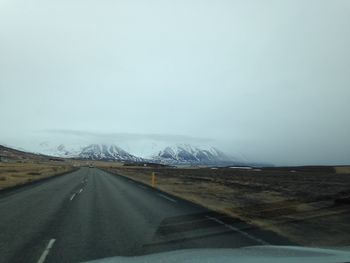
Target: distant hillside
(10, 154)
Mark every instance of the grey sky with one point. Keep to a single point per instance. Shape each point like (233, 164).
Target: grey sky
(269, 79)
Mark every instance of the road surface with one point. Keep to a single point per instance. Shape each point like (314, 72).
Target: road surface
(91, 214)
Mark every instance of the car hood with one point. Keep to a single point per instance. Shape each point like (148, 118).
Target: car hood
(253, 254)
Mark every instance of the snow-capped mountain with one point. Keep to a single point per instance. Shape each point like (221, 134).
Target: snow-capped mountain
(187, 154)
(125, 146)
(107, 152)
(59, 150)
(86, 151)
(139, 151)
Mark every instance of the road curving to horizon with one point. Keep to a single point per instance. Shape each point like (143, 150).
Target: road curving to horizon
(91, 214)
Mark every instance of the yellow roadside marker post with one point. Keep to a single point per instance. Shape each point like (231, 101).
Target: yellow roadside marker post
(153, 179)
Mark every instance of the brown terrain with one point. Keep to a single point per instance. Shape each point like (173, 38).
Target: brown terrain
(308, 205)
(19, 168)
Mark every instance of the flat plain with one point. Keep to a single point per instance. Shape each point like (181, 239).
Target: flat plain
(308, 205)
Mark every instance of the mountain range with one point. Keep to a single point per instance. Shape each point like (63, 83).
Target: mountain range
(185, 154)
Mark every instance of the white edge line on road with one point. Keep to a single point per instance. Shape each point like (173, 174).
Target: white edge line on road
(72, 197)
(46, 251)
(80, 190)
(258, 240)
(167, 198)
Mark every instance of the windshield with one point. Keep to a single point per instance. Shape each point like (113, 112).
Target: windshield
(132, 128)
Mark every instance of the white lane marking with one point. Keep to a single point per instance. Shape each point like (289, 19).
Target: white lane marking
(167, 198)
(258, 240)
(144, 187)
(80, 190)
(46, 251)
(72, 197)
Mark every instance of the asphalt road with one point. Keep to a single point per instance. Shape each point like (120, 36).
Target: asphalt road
(91, 214)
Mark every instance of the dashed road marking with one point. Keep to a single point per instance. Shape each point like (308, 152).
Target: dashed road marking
(72, 197)
(80, 190)
(258, 240)
(46, 251)
(168, 198)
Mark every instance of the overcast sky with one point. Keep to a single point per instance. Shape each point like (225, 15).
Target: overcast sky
(270, 79)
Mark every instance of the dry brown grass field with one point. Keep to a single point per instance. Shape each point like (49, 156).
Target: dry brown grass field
(19, 173)
(309, 206)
